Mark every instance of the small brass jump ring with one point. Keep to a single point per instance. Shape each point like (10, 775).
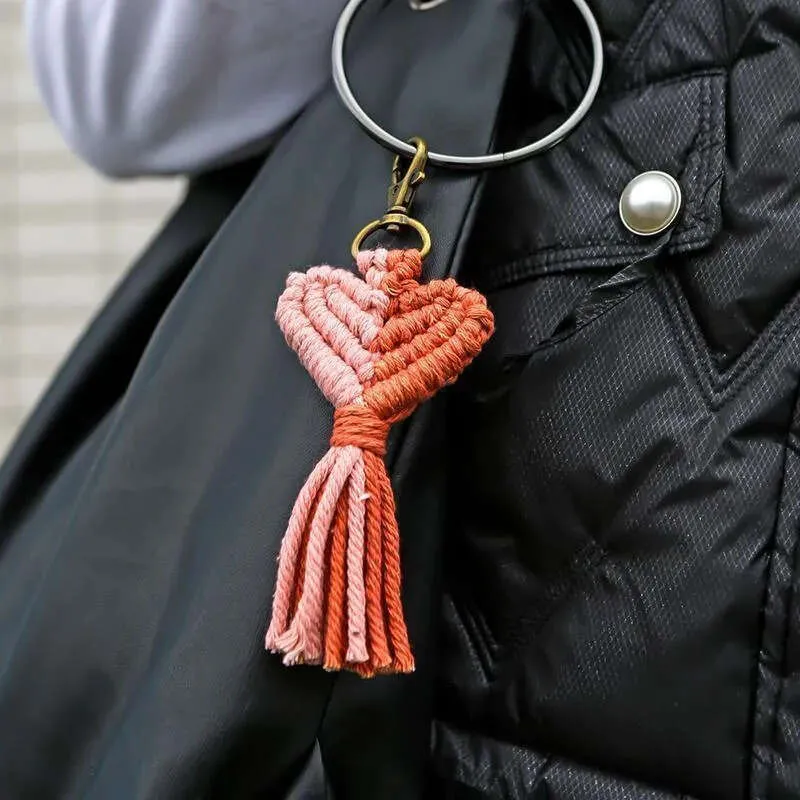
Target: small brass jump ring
(393, 219)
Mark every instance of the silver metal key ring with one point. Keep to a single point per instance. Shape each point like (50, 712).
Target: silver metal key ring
(464, 162)
(425, 5)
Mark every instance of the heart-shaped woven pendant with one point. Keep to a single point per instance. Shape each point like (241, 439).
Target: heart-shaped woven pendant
(377, 347)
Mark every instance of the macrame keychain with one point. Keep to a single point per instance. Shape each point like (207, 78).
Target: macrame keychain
(377, 346)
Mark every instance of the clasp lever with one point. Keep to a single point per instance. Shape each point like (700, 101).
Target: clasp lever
(405, 183)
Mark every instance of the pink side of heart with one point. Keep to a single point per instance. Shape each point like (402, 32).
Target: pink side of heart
(329, 317)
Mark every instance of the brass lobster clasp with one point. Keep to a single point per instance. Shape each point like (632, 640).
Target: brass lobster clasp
(405, 182)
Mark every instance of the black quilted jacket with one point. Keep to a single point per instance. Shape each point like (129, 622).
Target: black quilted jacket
(600, 521)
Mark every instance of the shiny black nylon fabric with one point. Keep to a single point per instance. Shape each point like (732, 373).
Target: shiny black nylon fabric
(142, 509)
(617, 477)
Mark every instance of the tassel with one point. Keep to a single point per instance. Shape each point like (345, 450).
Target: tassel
(377, 348)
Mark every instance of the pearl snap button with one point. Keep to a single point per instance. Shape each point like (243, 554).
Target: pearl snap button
(650, 203)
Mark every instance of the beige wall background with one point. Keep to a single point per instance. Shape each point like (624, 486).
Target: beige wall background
(66, 234)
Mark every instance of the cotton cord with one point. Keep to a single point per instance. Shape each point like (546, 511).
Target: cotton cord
(377, 346)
